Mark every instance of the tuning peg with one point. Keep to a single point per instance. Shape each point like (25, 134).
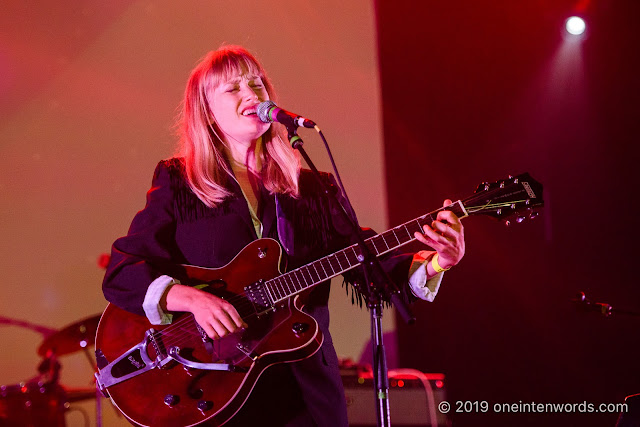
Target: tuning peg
(482, 187)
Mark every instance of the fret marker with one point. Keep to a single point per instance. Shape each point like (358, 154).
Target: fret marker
(360, 258)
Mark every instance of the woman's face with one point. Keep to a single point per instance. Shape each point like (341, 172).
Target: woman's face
(233, 104)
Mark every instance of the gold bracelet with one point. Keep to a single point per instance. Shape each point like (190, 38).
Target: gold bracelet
(436, 266)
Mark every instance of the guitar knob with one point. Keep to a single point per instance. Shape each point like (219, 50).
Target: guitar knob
(205, 405)
(300, 328)
(171, 400)
(533, 214)
(520, 219)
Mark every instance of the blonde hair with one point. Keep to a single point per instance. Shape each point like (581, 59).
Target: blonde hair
(207, 170)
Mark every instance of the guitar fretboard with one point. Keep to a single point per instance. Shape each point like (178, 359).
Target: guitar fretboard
(307, 276)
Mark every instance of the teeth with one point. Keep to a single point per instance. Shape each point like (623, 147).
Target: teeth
(248, 113)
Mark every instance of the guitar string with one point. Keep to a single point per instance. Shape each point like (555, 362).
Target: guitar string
(176, 334)
(241, 298)
(180, 334)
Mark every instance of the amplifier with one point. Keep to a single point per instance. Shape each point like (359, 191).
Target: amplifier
(413, 398)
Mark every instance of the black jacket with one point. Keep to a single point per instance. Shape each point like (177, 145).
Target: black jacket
(175, 227)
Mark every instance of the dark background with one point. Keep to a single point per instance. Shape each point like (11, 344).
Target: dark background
(475, 91)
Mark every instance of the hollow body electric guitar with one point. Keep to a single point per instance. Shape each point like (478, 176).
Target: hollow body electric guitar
(174, 375)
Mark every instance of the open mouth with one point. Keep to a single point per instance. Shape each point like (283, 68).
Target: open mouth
(250, 111)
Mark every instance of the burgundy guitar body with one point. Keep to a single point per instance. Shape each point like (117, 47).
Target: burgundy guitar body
(174, 376)
(177, 395)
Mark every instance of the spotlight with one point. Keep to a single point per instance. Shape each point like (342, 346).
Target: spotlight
(575, 25)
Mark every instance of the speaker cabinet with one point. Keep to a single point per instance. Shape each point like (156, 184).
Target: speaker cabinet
(413, 398)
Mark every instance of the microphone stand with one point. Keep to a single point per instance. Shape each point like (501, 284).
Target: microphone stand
(375, 290)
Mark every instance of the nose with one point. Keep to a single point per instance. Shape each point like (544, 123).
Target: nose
(248, 93)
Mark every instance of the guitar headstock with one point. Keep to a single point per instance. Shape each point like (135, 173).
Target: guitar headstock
(511, 199)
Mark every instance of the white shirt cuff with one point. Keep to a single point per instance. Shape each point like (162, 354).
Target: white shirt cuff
(420, 286)
(151, 304)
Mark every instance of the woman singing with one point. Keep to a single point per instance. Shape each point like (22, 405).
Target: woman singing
(235, 180)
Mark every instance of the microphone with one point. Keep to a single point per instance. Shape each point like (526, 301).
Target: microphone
(269, 112)
(587, 305)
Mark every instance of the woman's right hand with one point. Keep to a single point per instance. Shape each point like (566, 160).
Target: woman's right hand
(216, 316)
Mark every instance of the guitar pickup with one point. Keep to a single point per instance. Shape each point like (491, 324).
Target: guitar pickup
(259, 297)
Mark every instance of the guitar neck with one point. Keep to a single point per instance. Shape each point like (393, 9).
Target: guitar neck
(515, 197)
(307, 276)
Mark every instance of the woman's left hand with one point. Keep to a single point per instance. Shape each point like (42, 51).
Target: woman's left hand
(446, 236)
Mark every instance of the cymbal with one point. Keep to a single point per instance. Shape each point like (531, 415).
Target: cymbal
(71, 338)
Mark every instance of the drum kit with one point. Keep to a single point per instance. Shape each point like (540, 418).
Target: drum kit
(42, 400)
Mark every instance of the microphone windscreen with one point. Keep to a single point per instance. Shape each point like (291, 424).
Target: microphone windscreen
(263, 111)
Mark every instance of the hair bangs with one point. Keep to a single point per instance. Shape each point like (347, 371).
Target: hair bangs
(230, 62)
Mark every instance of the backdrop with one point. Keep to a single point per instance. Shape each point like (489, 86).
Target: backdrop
(478, 90)
(88, 95)
(459, 92)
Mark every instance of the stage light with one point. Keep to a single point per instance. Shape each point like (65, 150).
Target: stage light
(575, 25)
